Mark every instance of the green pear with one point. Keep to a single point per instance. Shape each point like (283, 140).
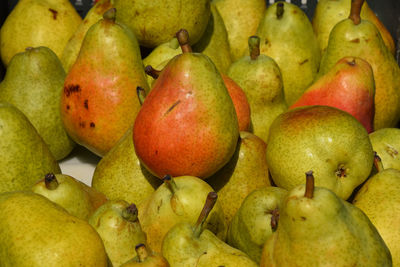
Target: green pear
(178, 199)
(34, 23)
(255, 220)
(361, 38)
(189, 244)
(37, 232)
(71, 49)
(386, 142)
(33, 83)
(260, 78)
(26, 158)
(287, 36)
(70, 194)
(117, 223)
(246, 171)
(120, 175)
(241, 19)
(146, 258)
(328, 140)
(156, 22)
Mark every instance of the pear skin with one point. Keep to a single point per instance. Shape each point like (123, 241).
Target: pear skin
(146, 258)
(386, 144)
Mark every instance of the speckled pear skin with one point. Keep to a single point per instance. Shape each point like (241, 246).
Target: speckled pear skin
(327, 13)
(364, 41)
(323, 231)
(386, 143)
(324, 139)
(251, 225)
(99, 102)
(37, 232)
(26, 157)
(379, 199)
(187, 124)
(120, 175)
(291, 42)
(33, 83)
(71, 49)
(35, 23)
(150, 260)
(156, 22)
(261, 80)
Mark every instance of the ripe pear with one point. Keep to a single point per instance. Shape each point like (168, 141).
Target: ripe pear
(317, 228)
(69, 193)
(328, 13)
(260, 78)
(245, 172)
(25, 158)
(37, 232)
(156, 22)
(71, 49)
(328, 140)
(348, 86)
(179, 199)
(189, 244)
(287, 36)
(145, 258)
(33, 83)
(187, 124)
(241, 19)
(386, 142)
(117, 223)
(120, 175)
(99, 101)
(360, 38)
(34, 23)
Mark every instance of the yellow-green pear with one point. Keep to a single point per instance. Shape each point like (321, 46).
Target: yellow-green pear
(146, 258)
(34, 23)
(386, 142)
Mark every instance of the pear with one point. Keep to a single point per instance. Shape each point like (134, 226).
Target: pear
(260, 78)
(145, 258)
(348, 86)
(34, 23)
(189, 244)
(256, 220)
(318, 228)
(97, 108)
(328, 13)
(241, 19)
(156, 22)
(25, 158)
(187, 124)
(287, 36)
(379, 199)
(71, 49)
(120, 175)
(245, 172)
(117, 223)
(69, 193)
(33, 83)
(37, 232)
(386, 142)
(360, 38)
(328, 140)
(179, 199)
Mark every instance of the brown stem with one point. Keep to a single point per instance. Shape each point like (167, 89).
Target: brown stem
(141, 93)
(141, 252)
(210, 202)
(50, 181)
(183, 39)
(171, 183)
(355, 11)
(309, 184)
(152, 72)
(274, 219)
(254, 47)
(130, 213)
(279, 10)
(378, 162)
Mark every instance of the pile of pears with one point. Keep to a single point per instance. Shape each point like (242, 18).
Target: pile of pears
(225, 133)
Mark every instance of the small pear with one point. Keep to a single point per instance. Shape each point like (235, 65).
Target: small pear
(145, 258)
(386, 142)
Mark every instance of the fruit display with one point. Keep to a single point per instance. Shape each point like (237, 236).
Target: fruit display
(205, 133)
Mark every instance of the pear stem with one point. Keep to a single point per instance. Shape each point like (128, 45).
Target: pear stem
(171, 183)
(50, 181)
(130, 213)
(280, 10)
(141, 93)
(378, 162)
(254, 47)
(210, 202)
(355, 11)
(274, 219)
(142, 252)
(152, 72)
(309, 185)
(183, 39)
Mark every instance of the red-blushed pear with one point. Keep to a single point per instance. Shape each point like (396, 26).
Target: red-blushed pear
(187, 124)
(349, 85)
